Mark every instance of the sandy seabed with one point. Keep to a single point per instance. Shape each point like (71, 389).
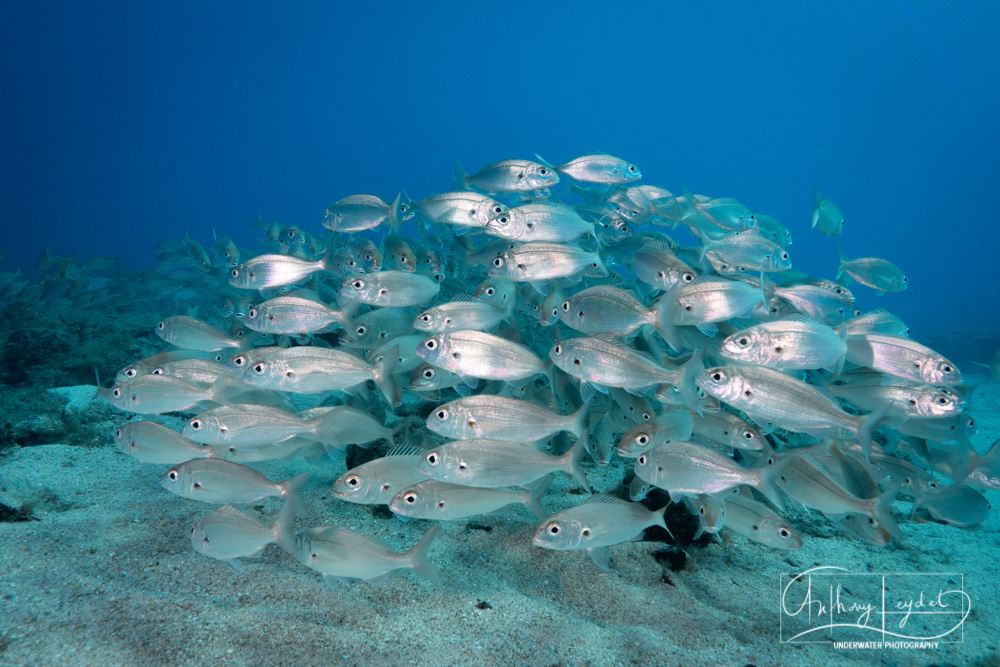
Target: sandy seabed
(106, 576)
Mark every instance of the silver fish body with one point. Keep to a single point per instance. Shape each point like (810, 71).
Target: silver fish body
(265, 271)
(671, 426)
(792, 344)
(553, 223)
(903, 358)
(224, 482)
(191, 334)
(227, 534)
(538, 262)
(462, 209)
(600, 168)
(471, 313)
(358, 213)
(508, 176)
(379, 480)
(150, 442)
(481, 355)
(500, 418)
(340, 554)
(394, 289)
(441, 501)
(292, 315)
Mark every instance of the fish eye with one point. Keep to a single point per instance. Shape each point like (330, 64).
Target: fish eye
(932, 485)
(428, 373)
(942, 400)
(239, 360)
(498, 262)
(503, 219)
(743, 341)
(425, 318)
(543, 171)
(838, 290)
(252, 313)
(156, 371)
(195, 424)
(490, 291)
(235, 273)
(784, 532)
(687, 277)
(172, 475)
(430, 344)
(642, 439)
(403, 259)
(594, 265)
(557, 349)
(352, 481)
(701, 510)
(498, 209)
(410, 498)
(130, 373)
(642, 460)
(361, 330)
(646, 416)
(749, 435)
(631, 168)
(160, 325)
(432, 459)
(565, 305)
(368, 257)
(259, 368)
(357, 284)
(116, 392)
(717, 377)
(784, 255)
(585, 532)
(441, 415)
(947, 368)
(554, 529)
(404, 207)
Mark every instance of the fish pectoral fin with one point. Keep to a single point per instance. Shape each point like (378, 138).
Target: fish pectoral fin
(600, 557)
(332, 581)
(236, 564)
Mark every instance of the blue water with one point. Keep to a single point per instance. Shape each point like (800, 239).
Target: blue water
(124, 123)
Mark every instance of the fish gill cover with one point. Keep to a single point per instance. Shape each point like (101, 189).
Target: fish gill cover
(625, 346)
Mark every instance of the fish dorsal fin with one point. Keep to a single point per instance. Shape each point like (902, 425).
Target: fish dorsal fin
(605, 499)
(467, 298)
(658, 245)
(613, 339)
(230, 511)
(404, 450)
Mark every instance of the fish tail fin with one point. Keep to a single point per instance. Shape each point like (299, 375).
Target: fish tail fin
(461, 175)
(282, 528)
(660, 516)
(772, 471)
(394, 220)
(418, 556)
(543, 161)
(290, 489)
(664, 311)
(866, 425)
(573, 460)
(689, 371)
(840, 265)
(382, 374)
(578, 420)
(688, 207)
(533, 498)
(817, 200)
(883, 514)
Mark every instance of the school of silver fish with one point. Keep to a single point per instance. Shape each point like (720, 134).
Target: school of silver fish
(532, 323)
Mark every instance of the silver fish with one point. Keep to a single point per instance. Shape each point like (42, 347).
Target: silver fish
(379, 480)
(224, 482)
(265, 271)
(538, 262)
(879, 274)
(394, 289)
(790, 344)
(191, 334)
(826, 216)
(767, 395)
(684, 468)
(441, 501)
(358, 213)
(758, 522)
(482, 355)
(603, 309)
(672, 426)
(507, 176)
(150, 442)
(294, 315)
(903, 358)
(462, 312)
(340, 554)
(601, 521)
(494, 463)
(599, 168)
(227, 534)
(500, 418)
(464, 209)
(536, 222)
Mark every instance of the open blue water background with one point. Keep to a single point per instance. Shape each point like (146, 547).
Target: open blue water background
(123, 123)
